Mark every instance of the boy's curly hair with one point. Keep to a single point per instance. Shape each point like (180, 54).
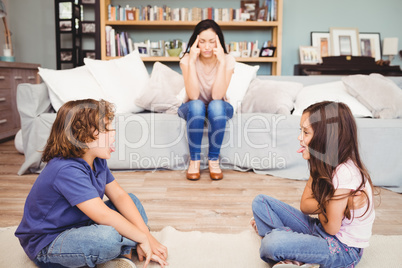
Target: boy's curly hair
(77, 122)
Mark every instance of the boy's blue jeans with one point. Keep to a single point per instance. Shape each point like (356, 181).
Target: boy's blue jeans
(195, 112)
(88, 245)
(290, 234)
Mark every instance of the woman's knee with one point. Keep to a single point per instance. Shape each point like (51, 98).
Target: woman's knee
(196, 107)
(260, 200)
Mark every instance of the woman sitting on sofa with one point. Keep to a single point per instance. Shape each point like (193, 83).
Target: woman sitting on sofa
(207, 69)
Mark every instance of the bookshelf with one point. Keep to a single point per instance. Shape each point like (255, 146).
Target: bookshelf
(74, 31)
(273, 28)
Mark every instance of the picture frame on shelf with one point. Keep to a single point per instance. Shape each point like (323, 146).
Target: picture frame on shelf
(370, 45)
(345, 41)
(65, 25)
(250, 7)
(267, 51)
(66, 55)
(90, 54)
(88, 27)
(309, 55)
(322, 40)
(88, 1)
(156, 52)
(262, 14)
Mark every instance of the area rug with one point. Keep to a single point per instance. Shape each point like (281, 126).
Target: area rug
(210, 250)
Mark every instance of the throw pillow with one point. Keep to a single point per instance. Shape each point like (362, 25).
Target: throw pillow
(267, 96)
(121, 79)
(163, 86)
(333, 91)
(240, 82)
(378, 93)
(72, 84)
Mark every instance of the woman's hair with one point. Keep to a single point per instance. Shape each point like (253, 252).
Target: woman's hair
(77, 122)
(333, 143)
(202, 26)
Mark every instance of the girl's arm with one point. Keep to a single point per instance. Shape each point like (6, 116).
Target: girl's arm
(125, 205)
(223, 75)
(308, 204)
(335, 211)
(190, 74)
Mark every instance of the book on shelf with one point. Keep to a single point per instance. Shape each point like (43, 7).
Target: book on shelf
(165, 13)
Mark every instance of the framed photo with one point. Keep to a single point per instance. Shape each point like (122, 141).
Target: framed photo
(322, 40)
(66, 55)
(88, 27)
(65, 25)
(370, 45)
(87, 1)
(250, 7)
(262, 14)
(267, 51)
(156, 52)
(345, 41)
(90, 54)
(309, 55)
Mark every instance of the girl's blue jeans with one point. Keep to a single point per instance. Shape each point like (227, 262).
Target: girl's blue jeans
(195, 112)
(290, 234)
(88, 245)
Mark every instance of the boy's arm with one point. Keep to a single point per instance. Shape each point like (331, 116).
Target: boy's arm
(125, 205)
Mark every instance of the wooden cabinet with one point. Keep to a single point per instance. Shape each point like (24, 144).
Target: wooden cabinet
(12, 74)
(273, 27)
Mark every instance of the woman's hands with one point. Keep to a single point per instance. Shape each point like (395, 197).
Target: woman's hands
(144, 251)
(157, 248)
(218, 51)
(195, 51)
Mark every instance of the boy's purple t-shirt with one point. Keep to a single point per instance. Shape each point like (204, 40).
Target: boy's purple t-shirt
(50, 207)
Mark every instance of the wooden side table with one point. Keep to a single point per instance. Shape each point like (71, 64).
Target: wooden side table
(12, 74)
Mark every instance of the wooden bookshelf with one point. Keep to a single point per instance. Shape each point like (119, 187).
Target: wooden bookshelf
(274, 27)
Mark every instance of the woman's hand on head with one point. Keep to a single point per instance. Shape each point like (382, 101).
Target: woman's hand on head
(218, 51)
(194, 50)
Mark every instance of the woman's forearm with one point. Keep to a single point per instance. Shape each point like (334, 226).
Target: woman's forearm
(221, 83)
(191, 81)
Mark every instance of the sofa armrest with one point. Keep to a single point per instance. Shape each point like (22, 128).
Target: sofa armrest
(33, 103)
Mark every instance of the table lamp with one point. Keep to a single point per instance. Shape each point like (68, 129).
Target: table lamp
(390, 47)
(8, 49)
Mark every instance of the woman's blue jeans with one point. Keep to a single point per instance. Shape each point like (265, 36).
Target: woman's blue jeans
(88, 245)
(195, 112)
(290, 234)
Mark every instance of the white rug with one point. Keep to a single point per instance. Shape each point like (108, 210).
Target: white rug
(210, 250)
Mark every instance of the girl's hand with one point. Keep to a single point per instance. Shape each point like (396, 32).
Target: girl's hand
(194, 50)
(357, 200)
(218, 51)
(157, 248)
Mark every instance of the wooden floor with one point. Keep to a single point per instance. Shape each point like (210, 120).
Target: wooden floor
(205, 205)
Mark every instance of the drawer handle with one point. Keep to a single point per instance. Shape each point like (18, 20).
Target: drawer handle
(2, 77)
(2, 99)
(31, 77)
(18, 77)
(2, 121)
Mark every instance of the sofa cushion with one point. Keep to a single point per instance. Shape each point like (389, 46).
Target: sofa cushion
(267, 96)
(333, 91)
(163, 86)
(121, 79)
(239, 84)
(378, 93)
(72, 84)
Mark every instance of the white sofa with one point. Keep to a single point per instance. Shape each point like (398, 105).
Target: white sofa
(263, 142)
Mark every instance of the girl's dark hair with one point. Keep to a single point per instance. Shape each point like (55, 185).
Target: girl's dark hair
(333, 143)
(77, 122)
(202, 26)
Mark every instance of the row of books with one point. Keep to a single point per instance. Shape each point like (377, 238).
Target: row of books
(165, 13)
(120, 44)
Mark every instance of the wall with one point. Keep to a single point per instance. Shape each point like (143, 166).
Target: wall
(32, 25)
